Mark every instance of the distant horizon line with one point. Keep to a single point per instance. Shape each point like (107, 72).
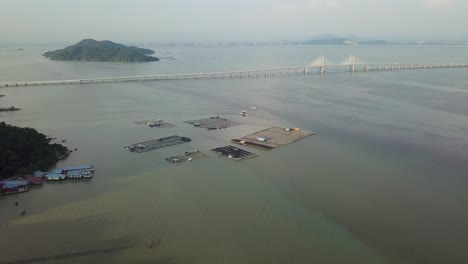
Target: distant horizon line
(246, 43)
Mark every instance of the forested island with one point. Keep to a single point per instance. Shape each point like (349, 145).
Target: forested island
(25, 150)
(101, 51)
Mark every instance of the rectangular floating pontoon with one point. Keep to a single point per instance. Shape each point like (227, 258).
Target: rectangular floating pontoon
(188, 156)
(154, 123)
(157, 144)
(212, 123)
(234, 153)
(273, 137)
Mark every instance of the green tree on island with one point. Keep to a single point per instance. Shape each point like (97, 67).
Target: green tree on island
(24, 150)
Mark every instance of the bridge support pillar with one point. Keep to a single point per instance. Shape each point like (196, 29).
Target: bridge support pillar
(322, 70)
(366, 68)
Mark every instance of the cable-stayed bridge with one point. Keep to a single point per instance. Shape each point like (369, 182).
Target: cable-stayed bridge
(320, 65)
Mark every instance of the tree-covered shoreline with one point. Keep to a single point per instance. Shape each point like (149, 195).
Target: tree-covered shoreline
(25, 150)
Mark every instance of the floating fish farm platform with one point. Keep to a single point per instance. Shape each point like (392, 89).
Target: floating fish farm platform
(157, 144)
(188, 156)
(273, 137)
(212, 123)
(155, 123)
(233, 153)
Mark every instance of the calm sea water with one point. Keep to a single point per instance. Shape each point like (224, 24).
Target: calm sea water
(384, 179)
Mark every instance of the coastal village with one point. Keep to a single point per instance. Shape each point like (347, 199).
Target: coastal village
(20, 184)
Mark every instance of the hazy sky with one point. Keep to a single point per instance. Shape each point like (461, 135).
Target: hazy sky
(223, 20)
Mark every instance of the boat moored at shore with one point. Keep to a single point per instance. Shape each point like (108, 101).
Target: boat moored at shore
(79, 174)
(55, 177)
(35, 180)
(75, 172)
(12, 187)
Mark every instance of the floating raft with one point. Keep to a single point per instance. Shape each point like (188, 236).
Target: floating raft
(234, 153)
(273, 137)
(186, 157)
(212, 123)
(154, 123)
(157, 144)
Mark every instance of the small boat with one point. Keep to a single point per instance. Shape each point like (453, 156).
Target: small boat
(79, 174)
(88, 174)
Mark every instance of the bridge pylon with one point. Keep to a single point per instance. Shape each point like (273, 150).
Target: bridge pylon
(320, 62)
(352, 66)
(322, 65)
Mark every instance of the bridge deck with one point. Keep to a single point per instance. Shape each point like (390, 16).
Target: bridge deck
(287, 71)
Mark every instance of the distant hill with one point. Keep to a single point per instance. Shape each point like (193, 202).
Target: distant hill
(374, 42)
(329, 39)
(332, 41)
(105, 51)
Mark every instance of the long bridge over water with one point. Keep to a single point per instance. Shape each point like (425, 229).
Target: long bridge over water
(319, 66)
